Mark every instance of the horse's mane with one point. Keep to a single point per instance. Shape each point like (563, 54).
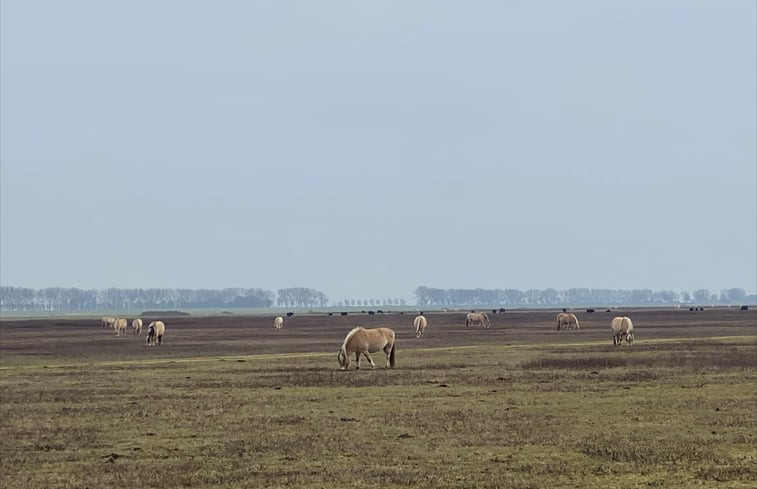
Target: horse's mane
(350, 335)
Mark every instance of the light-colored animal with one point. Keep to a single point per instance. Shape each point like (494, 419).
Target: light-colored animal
(622, 327)
(365, 341)
(120, 326)
(107, 322)
(137, 325)
(477, 317)
(420, 324)
(155, 332)
(567, 321)
(278, 322)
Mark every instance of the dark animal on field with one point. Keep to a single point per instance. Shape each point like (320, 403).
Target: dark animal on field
(342, 313)
(290, 314)
(744, 308)
(590, 311)
(371, 313)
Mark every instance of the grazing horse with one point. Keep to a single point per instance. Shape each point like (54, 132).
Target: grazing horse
(155, 332)
(107, 322)
(622, 327)
(278, 322)
(477, 317)
(137, 325)
(570, 321)
(365, 341)
(120, 326)
(420, 324)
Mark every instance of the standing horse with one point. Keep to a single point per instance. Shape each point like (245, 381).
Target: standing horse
(155, 332)
(137, 325)
(622, 327)
(570, 321)
(477, 317)
(420, 324)
(365, 341)
(278, 322)
(120, 326)
(107, 322)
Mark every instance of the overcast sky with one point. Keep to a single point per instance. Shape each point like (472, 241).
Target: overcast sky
(366, 148)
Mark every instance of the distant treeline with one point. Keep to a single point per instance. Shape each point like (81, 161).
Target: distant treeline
(73, 299)
(427, 296)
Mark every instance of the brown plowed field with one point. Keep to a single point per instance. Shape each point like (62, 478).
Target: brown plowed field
(69, 340)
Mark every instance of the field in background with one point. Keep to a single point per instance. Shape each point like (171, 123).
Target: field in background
(230, 402)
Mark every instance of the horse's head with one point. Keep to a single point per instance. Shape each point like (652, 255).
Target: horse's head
(341, 357)
(629, 338)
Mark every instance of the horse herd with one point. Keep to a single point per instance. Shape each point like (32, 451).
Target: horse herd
(364, 341)
(155, 330)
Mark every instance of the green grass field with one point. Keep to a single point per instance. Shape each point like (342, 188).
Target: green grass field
(660, 414)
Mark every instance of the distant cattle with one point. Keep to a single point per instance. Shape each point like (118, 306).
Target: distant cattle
(608, 310)
(564, 310)
(744, 308)
(290, 314)
(343, 313)
(371, 313)
(331, 314)
(501, 310)
(590, 311)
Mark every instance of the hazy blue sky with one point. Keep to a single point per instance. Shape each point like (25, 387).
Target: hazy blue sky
(366, 148)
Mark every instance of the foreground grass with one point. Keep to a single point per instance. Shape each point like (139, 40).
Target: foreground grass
(665, 414)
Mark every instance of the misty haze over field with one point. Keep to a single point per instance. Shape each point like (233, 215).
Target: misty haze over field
(366, 149)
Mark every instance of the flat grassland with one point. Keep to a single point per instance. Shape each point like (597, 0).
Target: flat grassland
(229, 402)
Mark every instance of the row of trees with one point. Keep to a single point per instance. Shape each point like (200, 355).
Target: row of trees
(427, 296)
(72, 299)
(301, 297)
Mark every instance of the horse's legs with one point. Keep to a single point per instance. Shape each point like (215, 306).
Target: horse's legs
(357, 360)
(369, 359)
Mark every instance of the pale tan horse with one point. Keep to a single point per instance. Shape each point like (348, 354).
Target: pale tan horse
(278, 322)
(155, 332)
(420, 324)
(477, 317)
(622, 327)
(568, 320)
(120, 326)
(365, 341)
(137, 325)
(107, 322)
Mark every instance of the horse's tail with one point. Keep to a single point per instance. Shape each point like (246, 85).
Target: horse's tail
(391, 355)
